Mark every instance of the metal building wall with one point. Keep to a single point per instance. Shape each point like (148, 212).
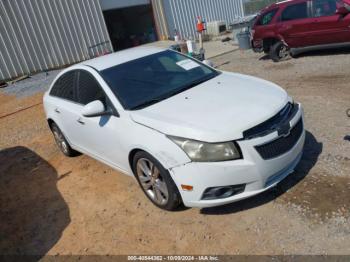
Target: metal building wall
(37, 35)
(181, 14)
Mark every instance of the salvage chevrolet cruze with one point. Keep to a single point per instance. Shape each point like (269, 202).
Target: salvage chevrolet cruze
(188, 133)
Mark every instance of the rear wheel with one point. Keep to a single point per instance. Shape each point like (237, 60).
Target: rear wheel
(62, 142)
(156, 182)
(279, 52)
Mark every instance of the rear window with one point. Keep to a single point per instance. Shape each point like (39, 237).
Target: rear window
(293, 12)
(266, 18)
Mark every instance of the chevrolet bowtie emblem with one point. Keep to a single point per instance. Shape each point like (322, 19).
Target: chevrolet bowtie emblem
(284, 130)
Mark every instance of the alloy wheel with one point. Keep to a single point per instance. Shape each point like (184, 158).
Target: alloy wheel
(152, 181)
(283, 52)
(60, 141)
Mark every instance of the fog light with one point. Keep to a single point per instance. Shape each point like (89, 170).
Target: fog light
(222, 192)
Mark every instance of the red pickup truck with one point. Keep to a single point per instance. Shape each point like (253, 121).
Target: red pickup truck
(300, 23)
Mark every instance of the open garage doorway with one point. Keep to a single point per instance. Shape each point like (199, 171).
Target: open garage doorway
(130, 26)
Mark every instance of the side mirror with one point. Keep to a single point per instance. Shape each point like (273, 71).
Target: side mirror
(342, 10)
(94, 109)
(208, 63)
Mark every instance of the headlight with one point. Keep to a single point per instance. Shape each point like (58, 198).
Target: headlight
(207, 152)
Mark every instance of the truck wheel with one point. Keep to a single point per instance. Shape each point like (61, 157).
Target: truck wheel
(279, 52)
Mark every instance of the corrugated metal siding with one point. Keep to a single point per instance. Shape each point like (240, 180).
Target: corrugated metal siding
(37, 35)
(182, 14)
(160, 19)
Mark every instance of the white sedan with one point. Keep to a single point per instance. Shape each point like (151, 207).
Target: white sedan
(188, 133)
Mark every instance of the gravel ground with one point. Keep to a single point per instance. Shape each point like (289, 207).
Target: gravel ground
(32, 85)
(50, 204)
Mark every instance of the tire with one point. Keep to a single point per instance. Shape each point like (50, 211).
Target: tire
(279, 52)
(62, 142)
(156, 182)
(267, 48)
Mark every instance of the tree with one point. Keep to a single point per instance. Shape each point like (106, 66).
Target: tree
(254, 6)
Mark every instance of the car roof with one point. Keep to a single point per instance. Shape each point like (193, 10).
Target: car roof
(117, 58)
(281, 4)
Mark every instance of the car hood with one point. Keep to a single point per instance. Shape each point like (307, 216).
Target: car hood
(218, 110)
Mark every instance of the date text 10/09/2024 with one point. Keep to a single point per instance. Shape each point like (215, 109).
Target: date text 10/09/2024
(173, 258)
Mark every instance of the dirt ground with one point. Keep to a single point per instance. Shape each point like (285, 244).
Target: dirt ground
(50, 204)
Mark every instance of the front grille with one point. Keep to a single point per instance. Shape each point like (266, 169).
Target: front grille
(270, 125)
(281, 145)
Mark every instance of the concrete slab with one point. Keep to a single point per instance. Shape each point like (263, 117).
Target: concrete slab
(212, 48)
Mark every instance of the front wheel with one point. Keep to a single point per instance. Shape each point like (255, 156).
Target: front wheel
(156, 182)
(279, 52)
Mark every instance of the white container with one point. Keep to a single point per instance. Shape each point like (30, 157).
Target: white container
(216, 28)
(191, 46)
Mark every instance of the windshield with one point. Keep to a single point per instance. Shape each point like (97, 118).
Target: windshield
(148, 80)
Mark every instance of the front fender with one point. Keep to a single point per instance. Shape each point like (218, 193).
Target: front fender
(158, 145)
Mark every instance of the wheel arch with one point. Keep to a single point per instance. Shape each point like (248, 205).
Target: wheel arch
(153, 153)
(269, 41)
(164, 157)
(50, 122)
(131, 156)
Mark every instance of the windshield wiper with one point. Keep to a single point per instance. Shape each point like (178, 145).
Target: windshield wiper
(146, 104)
(197, 82)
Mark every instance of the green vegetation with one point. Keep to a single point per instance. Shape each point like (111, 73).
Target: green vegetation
(254, 6)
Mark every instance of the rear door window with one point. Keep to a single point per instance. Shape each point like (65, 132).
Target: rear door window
(323, 7)
(267, 17)
(64, 87)
(294, 12)
(88, 89)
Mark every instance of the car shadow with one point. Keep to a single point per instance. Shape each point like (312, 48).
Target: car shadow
(306, 52)
(33, 213)
(299, 53)
(312, 151)
(265, 57)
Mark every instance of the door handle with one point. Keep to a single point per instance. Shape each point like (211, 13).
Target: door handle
(57, 111)
(80, 121)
